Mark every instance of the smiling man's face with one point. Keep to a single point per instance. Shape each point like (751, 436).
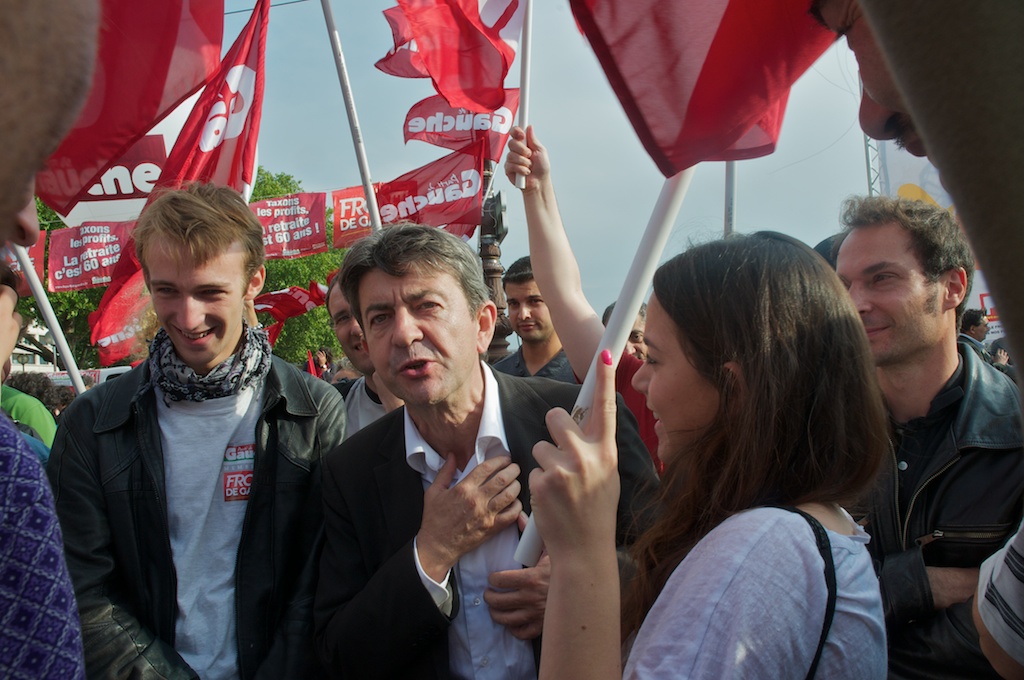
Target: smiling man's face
(201, 306)
(904, 314)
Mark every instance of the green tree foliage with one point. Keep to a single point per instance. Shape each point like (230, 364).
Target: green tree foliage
(307, 332)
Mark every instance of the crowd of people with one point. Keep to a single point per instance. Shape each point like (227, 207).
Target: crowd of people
(800, 466)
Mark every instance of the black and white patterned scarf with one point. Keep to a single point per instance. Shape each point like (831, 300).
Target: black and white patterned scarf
(249, 366)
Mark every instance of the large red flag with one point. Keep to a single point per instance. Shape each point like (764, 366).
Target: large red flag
(703, 79)
(448, 191)
(403, 60)
(467, 47)
(218, 145)
(435, 122)
(115, 322)
(218, 142)
(152, 56)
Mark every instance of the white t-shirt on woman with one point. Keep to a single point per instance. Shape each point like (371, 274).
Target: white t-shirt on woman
(749, 602)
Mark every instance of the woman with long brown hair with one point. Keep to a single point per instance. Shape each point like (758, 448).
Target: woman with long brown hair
(769, 421)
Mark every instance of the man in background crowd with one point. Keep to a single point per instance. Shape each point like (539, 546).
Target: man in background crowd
(366, 398)
(973, 331)
(635, 342)
(955, 487)
(540, 351)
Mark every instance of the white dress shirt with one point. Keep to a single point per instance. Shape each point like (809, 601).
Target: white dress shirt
(478, 648)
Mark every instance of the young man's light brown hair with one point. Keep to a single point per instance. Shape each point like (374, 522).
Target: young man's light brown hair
(200, 221)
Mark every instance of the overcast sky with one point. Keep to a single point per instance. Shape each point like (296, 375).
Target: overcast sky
(606, 183)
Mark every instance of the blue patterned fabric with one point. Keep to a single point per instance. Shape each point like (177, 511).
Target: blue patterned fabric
(40, 635)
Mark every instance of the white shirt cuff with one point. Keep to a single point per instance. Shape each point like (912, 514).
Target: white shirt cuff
(441, 593)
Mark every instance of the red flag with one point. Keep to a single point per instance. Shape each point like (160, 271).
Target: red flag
(35, 256)
(318, 291)
(310, 365)
(285, 303)
(152, 56)
(403, 60)
(703, 79)
(133, 174)
(115, 322)
(218, 142)
(448, 191)
(435, 122)
(466, 46)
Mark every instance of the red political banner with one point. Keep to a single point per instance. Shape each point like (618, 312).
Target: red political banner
(434, 121)
(402, 61)
(150, 58)
(466, 46)
(133, 174)
(703, 79)
(293, 225)
(351, 217)
(85, 256)
(448, 191)
(218, 142)
(35, 255)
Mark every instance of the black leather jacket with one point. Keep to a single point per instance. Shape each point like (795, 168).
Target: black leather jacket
(107, 473)
(966, 505)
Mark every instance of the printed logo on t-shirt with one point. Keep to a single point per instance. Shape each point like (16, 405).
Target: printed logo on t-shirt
(238, 462)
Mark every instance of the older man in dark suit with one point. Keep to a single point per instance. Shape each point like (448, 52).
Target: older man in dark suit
(418, 578)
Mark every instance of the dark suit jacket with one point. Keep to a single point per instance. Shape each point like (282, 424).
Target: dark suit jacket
(374, 618)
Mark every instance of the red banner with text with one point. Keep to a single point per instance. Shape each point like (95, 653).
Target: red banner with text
(448, 191)
(434, 121)
(351, 217)
(293, 226)
(84, 256)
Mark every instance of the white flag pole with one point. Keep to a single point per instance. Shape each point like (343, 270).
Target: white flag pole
(524, 76)
(730, 197)
(43, 304)
(353, 120)
(639, 277)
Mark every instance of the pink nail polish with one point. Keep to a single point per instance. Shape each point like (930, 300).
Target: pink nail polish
(606, 357)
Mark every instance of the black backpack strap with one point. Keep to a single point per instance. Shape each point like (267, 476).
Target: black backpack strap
(825, 548)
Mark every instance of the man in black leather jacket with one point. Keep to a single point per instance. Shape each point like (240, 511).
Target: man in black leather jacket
(189, 488)
(953, 490)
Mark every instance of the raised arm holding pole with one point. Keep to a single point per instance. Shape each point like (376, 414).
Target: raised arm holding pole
(563, 297)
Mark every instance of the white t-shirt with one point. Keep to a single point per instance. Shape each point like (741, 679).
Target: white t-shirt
(209, 453)
(360, 408)
(749, 602)
(1000, 596)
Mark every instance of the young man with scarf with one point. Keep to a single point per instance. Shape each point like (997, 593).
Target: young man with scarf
(189, 488)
